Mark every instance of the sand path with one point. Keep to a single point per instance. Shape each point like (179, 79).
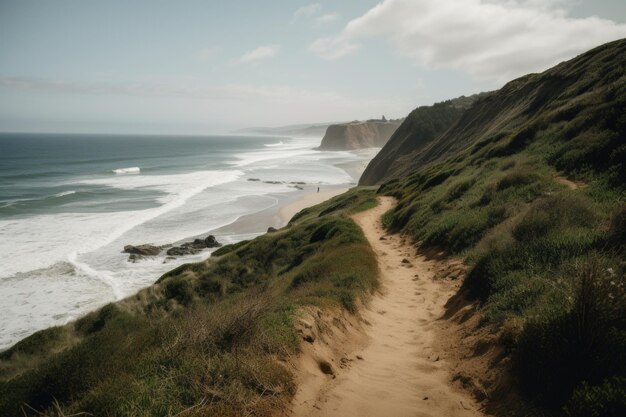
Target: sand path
(399, 371)
(572, 185)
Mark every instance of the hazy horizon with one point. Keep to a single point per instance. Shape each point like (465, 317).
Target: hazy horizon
(195, 68)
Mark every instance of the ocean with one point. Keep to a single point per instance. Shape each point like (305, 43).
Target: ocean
(70, 203)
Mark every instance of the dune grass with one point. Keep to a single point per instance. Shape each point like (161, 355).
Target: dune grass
(211, 338)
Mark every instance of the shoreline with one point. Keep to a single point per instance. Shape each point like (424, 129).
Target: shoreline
(109, 277)
(244, 227)
(308, 200)
(277, 216)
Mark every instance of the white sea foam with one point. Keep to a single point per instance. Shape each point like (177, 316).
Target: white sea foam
(59, 235)
(103, 276)
(271, 145)
(88, 244)
(266, 156)
(64, 193)
(131, 170)
(174, 184)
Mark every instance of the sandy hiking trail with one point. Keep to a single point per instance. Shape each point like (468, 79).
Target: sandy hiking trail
(571, 184)
(395, 370)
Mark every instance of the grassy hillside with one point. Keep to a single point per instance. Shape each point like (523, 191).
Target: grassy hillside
(578, 104)
(210, 338)
(529, 187)
(422, 126)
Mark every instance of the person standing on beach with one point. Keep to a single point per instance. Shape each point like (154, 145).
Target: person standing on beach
(318, 189)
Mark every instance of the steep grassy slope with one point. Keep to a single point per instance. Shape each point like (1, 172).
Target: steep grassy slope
(210, 338)
(546, 253)
(421, 127)
(576, 103)
(358, 135)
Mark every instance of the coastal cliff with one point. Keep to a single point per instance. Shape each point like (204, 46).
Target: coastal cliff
(511, 118)
(358, 135)
(421, 127)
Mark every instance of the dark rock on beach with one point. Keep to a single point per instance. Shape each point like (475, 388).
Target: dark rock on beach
(143, 250)
(211, 242)
(134, 258)
(272, 230)
(188, 248)
(191, 248)
(182, 250)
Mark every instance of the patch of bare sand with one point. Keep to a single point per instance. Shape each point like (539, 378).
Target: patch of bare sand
(309, 200)
(571, 184)
(389, 363)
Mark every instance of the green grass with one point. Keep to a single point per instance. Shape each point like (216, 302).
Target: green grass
(210, 338)
(546, 262)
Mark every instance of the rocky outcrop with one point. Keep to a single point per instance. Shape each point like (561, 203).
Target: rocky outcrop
(143, 250)
(136, 253)
(358, 135)
(191, 248)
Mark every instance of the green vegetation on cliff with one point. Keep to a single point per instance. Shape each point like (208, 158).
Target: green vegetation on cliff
(211, 338)
(422, 126)
(529, 186)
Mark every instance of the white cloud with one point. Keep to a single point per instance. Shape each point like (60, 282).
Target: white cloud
(334, 47)
(313, 13)
(327, 18)
(306, 12)
(262, 52)
(489, 39)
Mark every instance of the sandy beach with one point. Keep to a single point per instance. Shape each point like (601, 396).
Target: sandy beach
(308, 200)
(277, 216)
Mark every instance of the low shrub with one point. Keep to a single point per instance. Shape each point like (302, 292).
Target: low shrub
(555, 212)
(457, 189)
(617, 227)
(605, 400)
(579, 343)
(179, 289)
(517, 178)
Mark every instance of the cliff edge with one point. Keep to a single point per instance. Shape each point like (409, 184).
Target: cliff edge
(358, 135)
(420, 128)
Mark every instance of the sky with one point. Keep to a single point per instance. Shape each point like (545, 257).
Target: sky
(199, 67)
